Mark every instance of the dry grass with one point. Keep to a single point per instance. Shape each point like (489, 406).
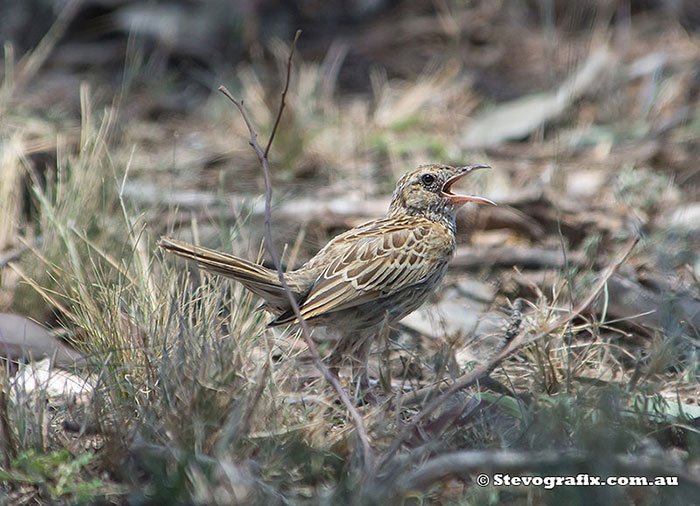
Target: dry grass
(195, 401)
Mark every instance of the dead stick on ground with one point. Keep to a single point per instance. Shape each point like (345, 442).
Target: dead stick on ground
(306, 333)
(511, 347)
(462, 463)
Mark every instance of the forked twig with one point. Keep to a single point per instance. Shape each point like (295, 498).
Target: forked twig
(284, 93)
(510, 348)
(306, 333)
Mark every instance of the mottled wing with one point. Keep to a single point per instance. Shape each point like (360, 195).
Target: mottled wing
(374, 261)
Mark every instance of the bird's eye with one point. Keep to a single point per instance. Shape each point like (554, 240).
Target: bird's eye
(428, 179)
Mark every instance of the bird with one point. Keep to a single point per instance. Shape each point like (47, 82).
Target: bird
(370, 276)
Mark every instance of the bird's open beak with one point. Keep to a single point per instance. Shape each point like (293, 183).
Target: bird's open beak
(459, 199)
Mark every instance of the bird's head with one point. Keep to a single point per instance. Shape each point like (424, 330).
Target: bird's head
(427, 192)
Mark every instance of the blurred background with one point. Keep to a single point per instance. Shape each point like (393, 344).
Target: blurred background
(111, 128)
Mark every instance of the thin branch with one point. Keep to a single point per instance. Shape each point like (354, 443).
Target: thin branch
(469, 461)
(306, 333)
(284, 92)
(480, 370)
(466, 462)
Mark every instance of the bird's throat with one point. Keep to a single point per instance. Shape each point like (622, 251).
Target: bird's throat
(441, 215)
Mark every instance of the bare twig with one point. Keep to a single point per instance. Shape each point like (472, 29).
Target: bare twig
(284, 92)
(306, 333)
(509, 461)
(468, 461)
(480, 370)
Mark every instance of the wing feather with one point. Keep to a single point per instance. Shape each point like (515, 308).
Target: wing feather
(403, 256)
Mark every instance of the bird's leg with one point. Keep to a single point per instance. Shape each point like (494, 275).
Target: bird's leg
(361, 363)
(354, 348)
(336, 357)
(360, 368)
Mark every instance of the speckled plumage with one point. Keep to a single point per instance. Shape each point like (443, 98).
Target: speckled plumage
(369, 276)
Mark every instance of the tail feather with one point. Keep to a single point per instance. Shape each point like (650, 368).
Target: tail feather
(258, 279)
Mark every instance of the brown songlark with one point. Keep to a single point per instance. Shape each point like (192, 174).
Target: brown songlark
(371, 275)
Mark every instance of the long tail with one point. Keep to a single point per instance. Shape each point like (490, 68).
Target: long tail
(258, 279)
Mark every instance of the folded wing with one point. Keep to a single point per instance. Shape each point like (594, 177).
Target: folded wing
(372, 263)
